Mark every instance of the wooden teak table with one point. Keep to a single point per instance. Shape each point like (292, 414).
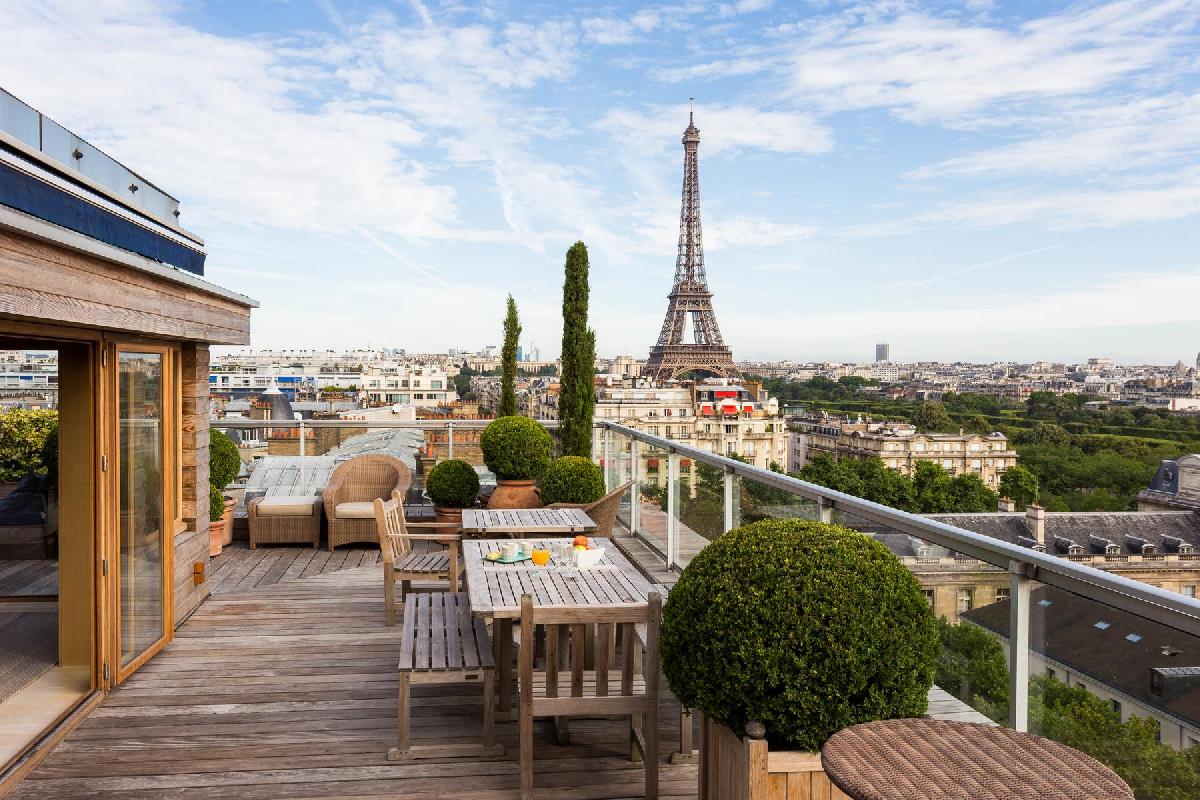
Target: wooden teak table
(526, 521)
(496, 589)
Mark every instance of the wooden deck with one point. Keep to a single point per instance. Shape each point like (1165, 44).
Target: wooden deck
(289, 690)
(240, 569)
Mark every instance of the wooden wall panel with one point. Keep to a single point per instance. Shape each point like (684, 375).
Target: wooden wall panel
(191, 546)
(52, 284)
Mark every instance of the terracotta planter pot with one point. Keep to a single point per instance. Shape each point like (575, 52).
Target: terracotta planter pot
(448, 515)
(227, 517)
(751, 768)
(515, 494)
(216, 536)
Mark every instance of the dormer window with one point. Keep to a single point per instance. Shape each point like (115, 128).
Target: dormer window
(925, 553)
(1112, 550)
(1186, 549)
(1075, 550)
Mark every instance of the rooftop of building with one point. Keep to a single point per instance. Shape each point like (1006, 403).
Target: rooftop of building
(1112, 647)
(1166, 531)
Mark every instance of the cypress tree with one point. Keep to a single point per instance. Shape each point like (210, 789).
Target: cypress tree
(577, 395)
(508, 361)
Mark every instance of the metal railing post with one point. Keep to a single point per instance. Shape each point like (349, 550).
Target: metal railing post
(672, 508)
(825, 509)
(730, 498)
(1018, 645)
(303, 481)
(608, 484)
(449, 440)
(635, 495)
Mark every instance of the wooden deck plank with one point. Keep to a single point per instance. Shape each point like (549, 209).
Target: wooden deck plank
(288, 690)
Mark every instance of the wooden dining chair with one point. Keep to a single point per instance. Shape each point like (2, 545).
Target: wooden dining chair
(401, 562)
(606, 690)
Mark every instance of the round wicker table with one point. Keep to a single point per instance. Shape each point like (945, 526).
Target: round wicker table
(924, 759)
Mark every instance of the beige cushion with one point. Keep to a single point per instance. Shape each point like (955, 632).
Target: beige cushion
(354, 511)
(286, 505)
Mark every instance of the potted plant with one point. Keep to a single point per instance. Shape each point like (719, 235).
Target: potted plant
(517, 450)
(216, 520)
(783, 632)
(224, 465)
(572, 479)
(452, 485)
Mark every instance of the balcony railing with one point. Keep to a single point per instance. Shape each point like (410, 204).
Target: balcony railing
(658, 508)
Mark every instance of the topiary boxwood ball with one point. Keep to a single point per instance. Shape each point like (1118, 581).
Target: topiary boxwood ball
(572, 479)
(216, 503)
(452, 484)
(805, 627)
(224, 463)
(516, 448)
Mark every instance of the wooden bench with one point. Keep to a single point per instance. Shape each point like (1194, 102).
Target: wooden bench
(443, 643)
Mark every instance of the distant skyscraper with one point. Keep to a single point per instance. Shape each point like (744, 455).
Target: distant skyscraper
(520, 353)
(883, 352)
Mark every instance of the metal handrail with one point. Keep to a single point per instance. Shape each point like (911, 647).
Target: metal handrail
(1151, 602)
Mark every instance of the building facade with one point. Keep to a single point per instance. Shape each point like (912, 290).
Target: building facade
(717, 415)
(423, 386)
(900, 447)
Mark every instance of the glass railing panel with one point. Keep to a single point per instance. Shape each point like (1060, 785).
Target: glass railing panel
(757, 501)
(701, 507)
(618, 471)
(1120, 686)
(651, 496)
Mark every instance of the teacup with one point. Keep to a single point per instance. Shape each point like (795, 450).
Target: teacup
(509, 550)
(526, 547)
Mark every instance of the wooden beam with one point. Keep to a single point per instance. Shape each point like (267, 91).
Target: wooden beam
(52, 284)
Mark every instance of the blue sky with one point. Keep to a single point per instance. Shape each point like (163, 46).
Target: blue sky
(971, 181)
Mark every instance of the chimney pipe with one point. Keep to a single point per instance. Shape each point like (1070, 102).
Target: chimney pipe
(1006, 505)
(1035, 521)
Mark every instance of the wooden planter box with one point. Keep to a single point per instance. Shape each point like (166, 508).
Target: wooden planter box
(734, 767)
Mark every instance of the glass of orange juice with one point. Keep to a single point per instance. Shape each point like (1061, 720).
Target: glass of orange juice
(540, 557)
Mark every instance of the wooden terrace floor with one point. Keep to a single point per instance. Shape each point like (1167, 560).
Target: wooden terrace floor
(289, 690)
(240, 569)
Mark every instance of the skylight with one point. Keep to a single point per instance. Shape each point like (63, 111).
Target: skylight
(1133, 637)
(1045, 603)
(1102, 625)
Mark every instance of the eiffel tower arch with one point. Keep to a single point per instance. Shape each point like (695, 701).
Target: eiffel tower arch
(672, 357)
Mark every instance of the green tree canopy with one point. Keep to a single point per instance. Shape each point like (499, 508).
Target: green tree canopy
(508, 361)
(931, 417)
(1020, 485)
(577, 394)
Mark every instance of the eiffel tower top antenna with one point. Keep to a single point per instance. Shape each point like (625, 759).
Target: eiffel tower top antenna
(690, 295)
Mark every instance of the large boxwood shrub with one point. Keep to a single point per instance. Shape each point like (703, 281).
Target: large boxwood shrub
(216, 503)
(572, 479)
(452, 484)
(224, 463)
(805, 627)
(516, 448)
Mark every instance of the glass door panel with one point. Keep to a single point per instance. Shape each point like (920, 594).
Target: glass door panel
(141, 563)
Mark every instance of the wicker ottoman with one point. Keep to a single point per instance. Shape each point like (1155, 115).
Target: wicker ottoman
(285, 519)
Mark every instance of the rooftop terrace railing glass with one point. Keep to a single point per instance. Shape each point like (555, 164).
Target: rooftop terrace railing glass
(684, 497)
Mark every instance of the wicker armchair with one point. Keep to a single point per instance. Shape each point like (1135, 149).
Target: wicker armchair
(604, 511)
(350, 496)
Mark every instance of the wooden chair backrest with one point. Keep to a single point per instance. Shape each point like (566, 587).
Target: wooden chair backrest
(389, 523)
(567, 628)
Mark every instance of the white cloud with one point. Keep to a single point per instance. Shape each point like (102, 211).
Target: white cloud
(743, 7)
(1114, 137)
(925, 68)
(722, 129)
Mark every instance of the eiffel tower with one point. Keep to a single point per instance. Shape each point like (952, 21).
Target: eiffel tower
(671, 357)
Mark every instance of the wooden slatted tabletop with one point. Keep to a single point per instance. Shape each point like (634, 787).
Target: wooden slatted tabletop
(532, 521)
(496, 589)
